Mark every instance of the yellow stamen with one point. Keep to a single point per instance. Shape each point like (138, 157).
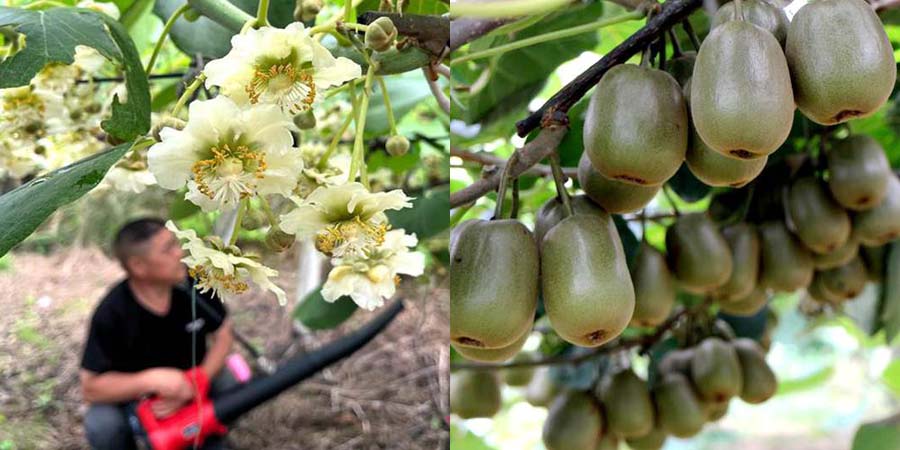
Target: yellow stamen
(208, 168)
(215, 278)
(334, 236)
(295, 90)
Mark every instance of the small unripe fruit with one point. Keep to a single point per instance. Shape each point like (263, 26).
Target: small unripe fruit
(397, 145)
(305, 120)
(278, 240)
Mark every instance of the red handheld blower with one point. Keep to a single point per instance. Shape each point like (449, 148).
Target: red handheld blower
(205, 417)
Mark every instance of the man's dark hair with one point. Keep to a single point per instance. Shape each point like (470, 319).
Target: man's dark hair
(130, 237)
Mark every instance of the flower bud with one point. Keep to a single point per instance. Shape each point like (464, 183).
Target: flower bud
(397, 145)
(305, 120)
(278, 240)
(307, 10)
(381, 34)
(253, 219)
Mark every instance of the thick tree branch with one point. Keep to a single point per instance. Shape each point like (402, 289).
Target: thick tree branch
(431, 33)
(645, 342)
(671, 12)
(545, 142)
(463, 31)
(487, 159)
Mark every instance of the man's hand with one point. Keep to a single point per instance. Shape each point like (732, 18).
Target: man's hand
(173, 389)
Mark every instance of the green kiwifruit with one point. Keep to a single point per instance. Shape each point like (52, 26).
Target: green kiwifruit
(786, 265)
(881, 224)
(474, 394)
(821, 224)
(858, 172)
(678, 360)
(697, 253)
(654, 287)
(493, 284)
(844, 75)
(629, 409)
(760, 383)
(492, 354)
(587, 289)
(714, 168)
(820, 293)
(635, 128)
(608, 442)
(846, 281)
(654, 440)
(615, 197)
(758, 12)
(542, 389)
(838, 257)
(682, 67)
(890, 304)
(743, 241)
(457, 230)
(716, 370)
(574, 422)
(873, 257)
(553, 211)
(716, 410)
(741, 100)
(678, 408)
(520, 376)
(747, 305)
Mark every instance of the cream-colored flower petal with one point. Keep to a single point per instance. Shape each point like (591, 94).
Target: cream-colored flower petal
(283, 170)
(205, 203)
(212, 121)
(267, 126)
(170, 161)
(261, 276)
(367, 204)
(303, 221)
(331, 71)
(352, 284)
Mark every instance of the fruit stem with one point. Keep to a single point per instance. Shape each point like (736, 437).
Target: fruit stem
(387, 105)
(661, 51)
(267, 209)
(739, 9)
(646, 56)
(501, 190)
(165, 33)
(560, 179)
(676, 46)
(188, 92)
(237, 222)
(262, 14)
(514, 210)
(546, 37)
(332, 146)
(686, 24)
(644, 225)
(668, 193)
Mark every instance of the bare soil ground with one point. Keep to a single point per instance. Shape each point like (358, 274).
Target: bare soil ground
(391, 394)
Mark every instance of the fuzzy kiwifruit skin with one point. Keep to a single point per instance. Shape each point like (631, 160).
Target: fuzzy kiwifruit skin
(607, 442)
(822, 225)
(786, 264)
(492, 354)
(743, 241)
(493, 284)
(760, 383)
(587, 290)
(574, 422)
(839, 76)
(654, 440)
(819, 292)
(682, 68)
(520, 376)
(742, 104)
(698, 255)
(553, 211)
(616, 197)
(873, 257)
(747, 305)
(542, 388)
(629, 409)
(678, 360)
(881, 224)
(758, 12)
(838, 257)
(636, 125)
(679, 410)
(474, 393)
(716, 410)
(858, 172)
(654, 287)
(716, 370)
(846, 281)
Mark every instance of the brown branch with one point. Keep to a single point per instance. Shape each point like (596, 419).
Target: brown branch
(431, 33)
(645, 342)
(487, 159)
(545, 142)
(463, 31)
(671, 12)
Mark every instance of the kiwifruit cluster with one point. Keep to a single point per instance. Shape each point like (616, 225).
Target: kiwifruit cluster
(690, 387)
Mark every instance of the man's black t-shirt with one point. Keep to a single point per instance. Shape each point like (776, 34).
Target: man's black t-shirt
(126, 337)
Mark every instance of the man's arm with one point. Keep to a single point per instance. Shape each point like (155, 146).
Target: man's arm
(222, 341)
(114, 387)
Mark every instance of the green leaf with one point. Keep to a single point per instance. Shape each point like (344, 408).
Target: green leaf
(405, 91)
(51, 37)
(463, 439)
(23, 209)
(883, 435)
(428, 215)
(514, 78)
(317, 314)
(891, 377)
(810, 381)
(181, 208)
(687, 186)
(426, 7)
